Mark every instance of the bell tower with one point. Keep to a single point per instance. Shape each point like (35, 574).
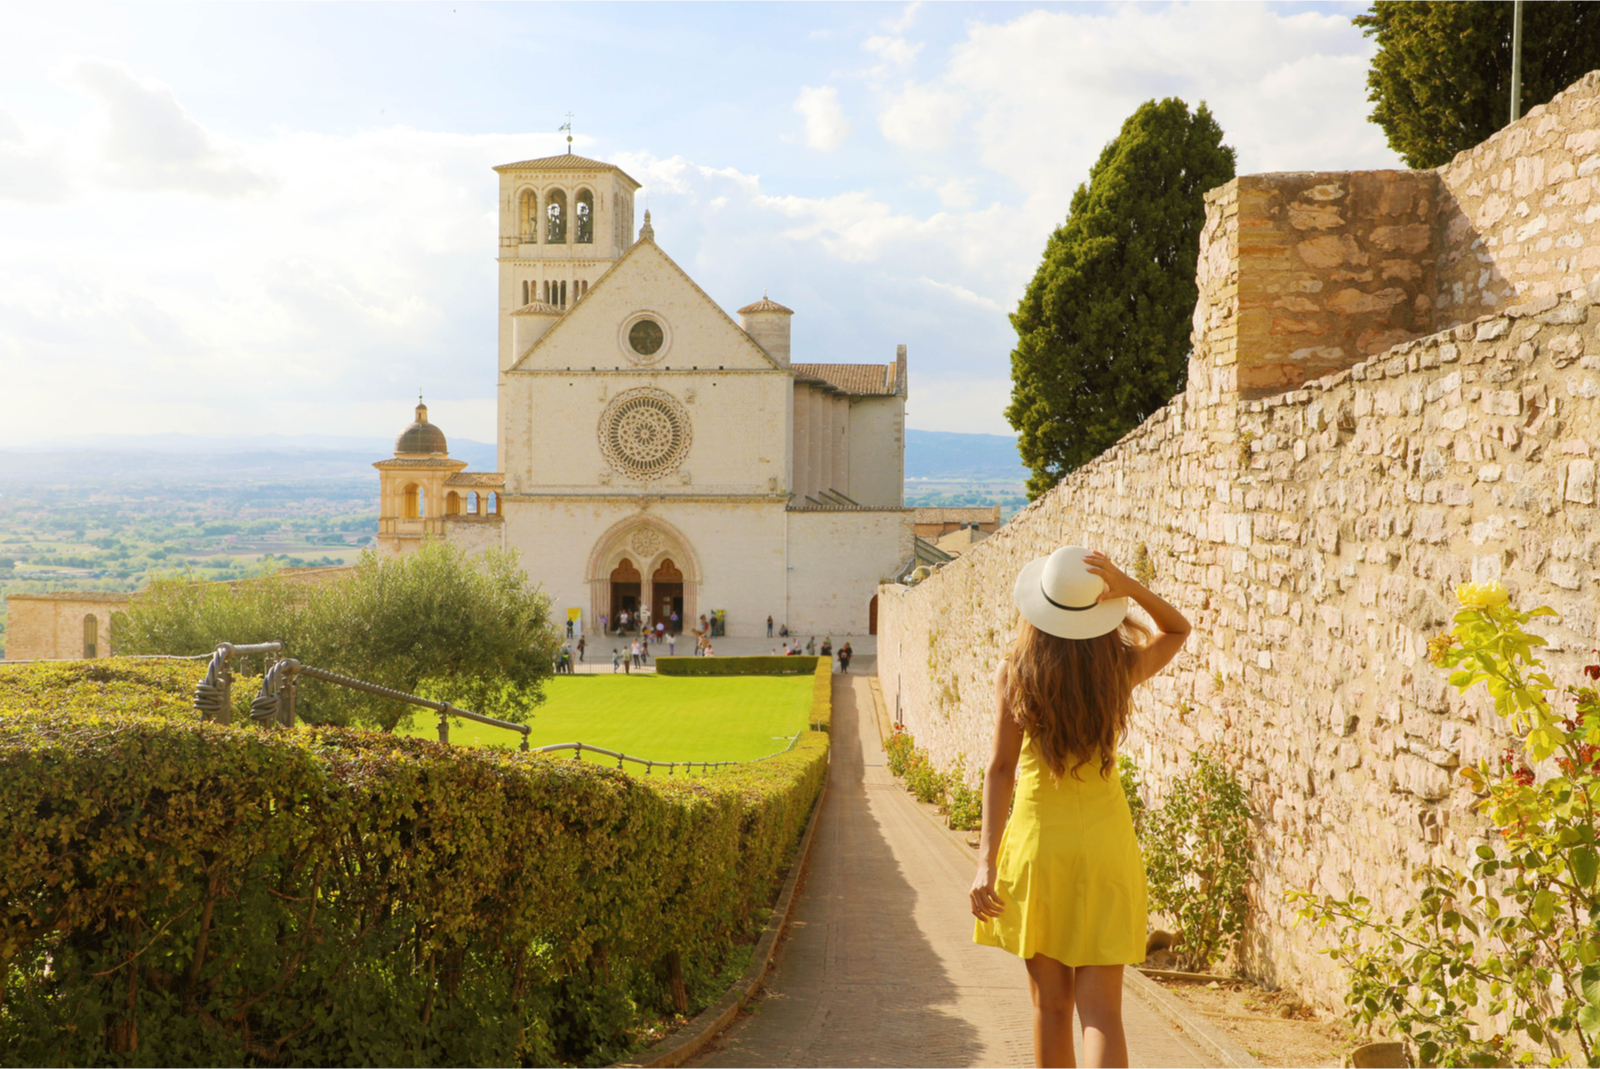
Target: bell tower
(563, 221)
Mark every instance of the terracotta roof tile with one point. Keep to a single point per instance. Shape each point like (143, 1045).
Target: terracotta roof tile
(858, 380)
(566, 162)
(766, 305)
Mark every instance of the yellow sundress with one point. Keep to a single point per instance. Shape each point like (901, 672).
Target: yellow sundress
(1069, 872)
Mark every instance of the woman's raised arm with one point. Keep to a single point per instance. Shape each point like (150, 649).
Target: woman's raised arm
(1172, 627)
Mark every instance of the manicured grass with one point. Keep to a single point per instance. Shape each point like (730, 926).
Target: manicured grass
(661, 718)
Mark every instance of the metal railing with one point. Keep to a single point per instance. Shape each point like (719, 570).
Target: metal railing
(213, 697)
(275, 704)
(650, 765)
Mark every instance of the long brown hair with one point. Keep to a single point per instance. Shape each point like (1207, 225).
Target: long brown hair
(1073, 696)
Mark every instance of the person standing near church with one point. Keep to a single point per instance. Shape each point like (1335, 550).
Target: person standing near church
(1060, 881)
(672, 644)
(675, 621)
(769, 627)
(616, 660)
(845, 653)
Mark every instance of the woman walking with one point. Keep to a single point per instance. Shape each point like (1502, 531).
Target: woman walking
(1061, 883)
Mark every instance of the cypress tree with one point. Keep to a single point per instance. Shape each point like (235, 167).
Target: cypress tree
(1440, 81)
(1103, 329)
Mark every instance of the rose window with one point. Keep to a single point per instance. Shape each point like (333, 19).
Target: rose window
(644, 433)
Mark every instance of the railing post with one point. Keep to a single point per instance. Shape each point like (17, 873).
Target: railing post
(444, 724)
(525, 740)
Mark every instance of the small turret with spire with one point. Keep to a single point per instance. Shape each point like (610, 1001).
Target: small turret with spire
(647, 232)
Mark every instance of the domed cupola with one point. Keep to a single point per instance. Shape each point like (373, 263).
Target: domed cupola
(421, 438)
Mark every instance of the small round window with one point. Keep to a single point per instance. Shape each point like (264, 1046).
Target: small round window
(645, 338)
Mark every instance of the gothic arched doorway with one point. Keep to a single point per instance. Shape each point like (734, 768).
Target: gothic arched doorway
(872, 615)
(648, 561)
(666, 593)
(626, 589)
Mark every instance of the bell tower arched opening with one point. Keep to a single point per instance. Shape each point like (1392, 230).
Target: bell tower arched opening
(555, 210)
(583, 218)
(528, 218)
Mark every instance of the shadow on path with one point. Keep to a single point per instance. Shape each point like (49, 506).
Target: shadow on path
(868, 973)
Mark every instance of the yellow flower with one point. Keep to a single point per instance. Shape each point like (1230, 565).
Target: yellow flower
(1490, 595)
(1439, 645)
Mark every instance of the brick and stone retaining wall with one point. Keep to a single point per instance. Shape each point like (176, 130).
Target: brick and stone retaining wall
(1315, 537)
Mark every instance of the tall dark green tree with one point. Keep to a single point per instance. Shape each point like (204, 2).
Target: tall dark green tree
(1441, 79)
(1103, 329)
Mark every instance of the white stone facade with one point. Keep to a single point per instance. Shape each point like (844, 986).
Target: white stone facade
(654, 453)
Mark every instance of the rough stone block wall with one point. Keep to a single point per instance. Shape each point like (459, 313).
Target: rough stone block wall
(1306, 273)
(1315, 539)
(1519, 215)
(1330, 270)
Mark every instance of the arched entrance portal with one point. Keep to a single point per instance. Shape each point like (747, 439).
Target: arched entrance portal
(643, 563)
(626, 590)
(666, 594)
(872, 615)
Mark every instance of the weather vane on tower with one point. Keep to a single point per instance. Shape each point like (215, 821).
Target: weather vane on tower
(567, 127)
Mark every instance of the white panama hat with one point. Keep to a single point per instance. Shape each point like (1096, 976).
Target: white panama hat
(1059, 596)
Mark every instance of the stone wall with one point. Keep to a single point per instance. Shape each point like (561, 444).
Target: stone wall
(1315, 540)
(1302, 274)
(1518, 215)
(49, 627)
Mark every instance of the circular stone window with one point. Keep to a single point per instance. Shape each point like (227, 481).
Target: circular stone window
(644, 433)
(645, 337)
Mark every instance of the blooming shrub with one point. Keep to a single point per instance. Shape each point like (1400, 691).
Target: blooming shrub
(1516, 938)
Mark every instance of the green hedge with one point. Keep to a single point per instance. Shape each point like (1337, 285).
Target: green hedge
(736, 666)
(175, 892)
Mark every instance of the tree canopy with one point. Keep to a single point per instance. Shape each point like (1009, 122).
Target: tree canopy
(1103, 329)
(468, 630)
(1441, 79)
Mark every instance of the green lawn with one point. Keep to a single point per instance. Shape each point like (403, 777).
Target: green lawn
(661, 718)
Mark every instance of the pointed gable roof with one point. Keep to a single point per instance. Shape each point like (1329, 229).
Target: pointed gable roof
(639, 248)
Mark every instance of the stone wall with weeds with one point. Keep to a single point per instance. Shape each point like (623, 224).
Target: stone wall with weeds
(1315, 564)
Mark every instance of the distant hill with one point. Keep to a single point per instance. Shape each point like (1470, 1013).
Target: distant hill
(942, 455)
(98, 458)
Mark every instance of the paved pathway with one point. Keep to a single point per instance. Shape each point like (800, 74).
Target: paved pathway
(879, 968)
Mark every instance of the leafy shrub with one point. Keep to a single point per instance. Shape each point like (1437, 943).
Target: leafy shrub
(900, 747)
(1128, 773)
(468, 630)
(923, 780)
(962, 805)
(1494, 963)
(1197, 859)
(182, 892)
(735, 666)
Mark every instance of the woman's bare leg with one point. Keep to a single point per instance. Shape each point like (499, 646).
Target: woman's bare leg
(1098, 989)
(1051, 984)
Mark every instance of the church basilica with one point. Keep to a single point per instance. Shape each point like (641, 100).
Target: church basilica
(655, 454)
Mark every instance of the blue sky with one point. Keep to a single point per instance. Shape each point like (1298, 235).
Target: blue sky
(237, 218)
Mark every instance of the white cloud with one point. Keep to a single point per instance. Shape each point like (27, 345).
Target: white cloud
(897, 50)
(902, 22)
(28, 172)
(150, 142)
(825, 124)
(921, 116)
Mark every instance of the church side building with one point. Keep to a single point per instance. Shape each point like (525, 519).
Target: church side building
(654, 453)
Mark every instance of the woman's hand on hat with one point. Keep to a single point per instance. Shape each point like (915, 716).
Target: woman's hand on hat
(1118, 583)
